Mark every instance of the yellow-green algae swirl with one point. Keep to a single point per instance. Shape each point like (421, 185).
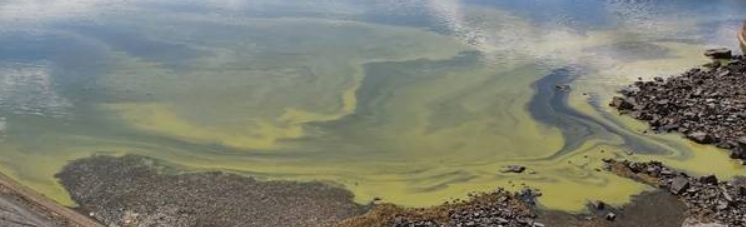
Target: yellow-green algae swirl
(414, 116)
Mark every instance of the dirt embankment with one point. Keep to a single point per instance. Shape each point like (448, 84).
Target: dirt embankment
(135, 191)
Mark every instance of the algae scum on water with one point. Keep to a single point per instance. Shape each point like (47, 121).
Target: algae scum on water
(414, 102)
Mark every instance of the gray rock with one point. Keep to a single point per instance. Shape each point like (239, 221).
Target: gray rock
(611, 216)
(598, 205)
(700, 137)
(719, 53)
(679, 185)
(709, 179)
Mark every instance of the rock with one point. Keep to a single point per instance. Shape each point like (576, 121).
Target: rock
(700, 137)
(709, 179)
(719, 53)
(666, 171)
(722, 205)
(668, 128)
(679, 185)
(611, 216)
(621, 104)
(741, 141)
(738, 154)
(712, 65)
(513, 169)
(598, 205)
(562, 87)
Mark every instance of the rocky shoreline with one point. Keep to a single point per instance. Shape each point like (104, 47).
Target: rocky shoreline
(708, 200)
(498, 208)
(707, 105)
(133, 191)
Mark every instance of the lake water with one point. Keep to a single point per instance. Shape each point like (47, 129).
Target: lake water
(416, 102)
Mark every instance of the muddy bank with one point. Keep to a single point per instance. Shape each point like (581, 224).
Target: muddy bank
(650, 209)
(708, 200)
(137, 191)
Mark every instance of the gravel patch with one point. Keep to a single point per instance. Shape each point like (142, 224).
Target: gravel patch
(135, 191)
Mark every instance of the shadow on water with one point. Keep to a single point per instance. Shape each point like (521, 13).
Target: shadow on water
(549, 106)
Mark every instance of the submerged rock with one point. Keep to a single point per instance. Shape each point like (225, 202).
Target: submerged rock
(513, 169)
(719, 53)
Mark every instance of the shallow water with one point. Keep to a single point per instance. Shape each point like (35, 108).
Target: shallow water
(415, 102)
